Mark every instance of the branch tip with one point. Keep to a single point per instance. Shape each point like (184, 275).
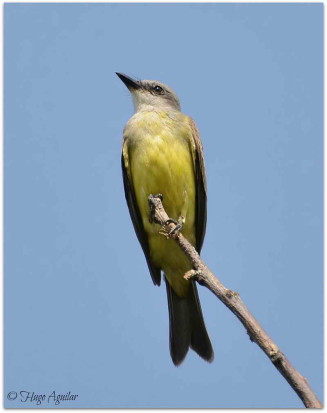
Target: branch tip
(192, 275)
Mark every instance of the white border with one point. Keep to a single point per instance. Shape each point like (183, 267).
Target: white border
(1, 174)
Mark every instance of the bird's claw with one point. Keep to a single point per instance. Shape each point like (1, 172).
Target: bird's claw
(171, 221)
(178, 224)
(176, 228)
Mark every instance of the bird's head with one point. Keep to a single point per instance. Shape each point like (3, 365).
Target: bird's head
(150, 94)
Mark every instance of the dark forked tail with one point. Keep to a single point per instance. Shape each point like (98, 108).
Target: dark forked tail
(186, 326)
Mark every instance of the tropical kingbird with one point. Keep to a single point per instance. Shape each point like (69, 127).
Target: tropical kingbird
(162, 153)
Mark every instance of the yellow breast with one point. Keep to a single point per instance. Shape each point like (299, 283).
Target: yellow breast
(160, 155)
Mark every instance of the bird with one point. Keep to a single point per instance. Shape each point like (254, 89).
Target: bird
(162, 154)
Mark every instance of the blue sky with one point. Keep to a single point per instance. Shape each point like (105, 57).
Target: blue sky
(81, 313)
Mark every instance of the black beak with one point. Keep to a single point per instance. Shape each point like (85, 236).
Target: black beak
(130, 83)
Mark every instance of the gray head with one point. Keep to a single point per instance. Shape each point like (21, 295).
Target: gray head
(150, 94)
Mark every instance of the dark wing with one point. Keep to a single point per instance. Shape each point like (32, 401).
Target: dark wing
(201, 187)
(136, 216)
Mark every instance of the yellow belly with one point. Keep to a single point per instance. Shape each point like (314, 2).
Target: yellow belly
(161, 162)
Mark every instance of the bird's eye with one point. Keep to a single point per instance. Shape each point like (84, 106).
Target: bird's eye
(158, 89)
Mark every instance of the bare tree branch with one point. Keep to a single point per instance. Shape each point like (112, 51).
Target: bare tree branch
(232, 300)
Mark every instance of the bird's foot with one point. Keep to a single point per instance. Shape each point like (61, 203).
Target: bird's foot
(171, 221)
(178, 224)
(165, 233)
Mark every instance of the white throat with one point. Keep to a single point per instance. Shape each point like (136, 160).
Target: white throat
(149, 102)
